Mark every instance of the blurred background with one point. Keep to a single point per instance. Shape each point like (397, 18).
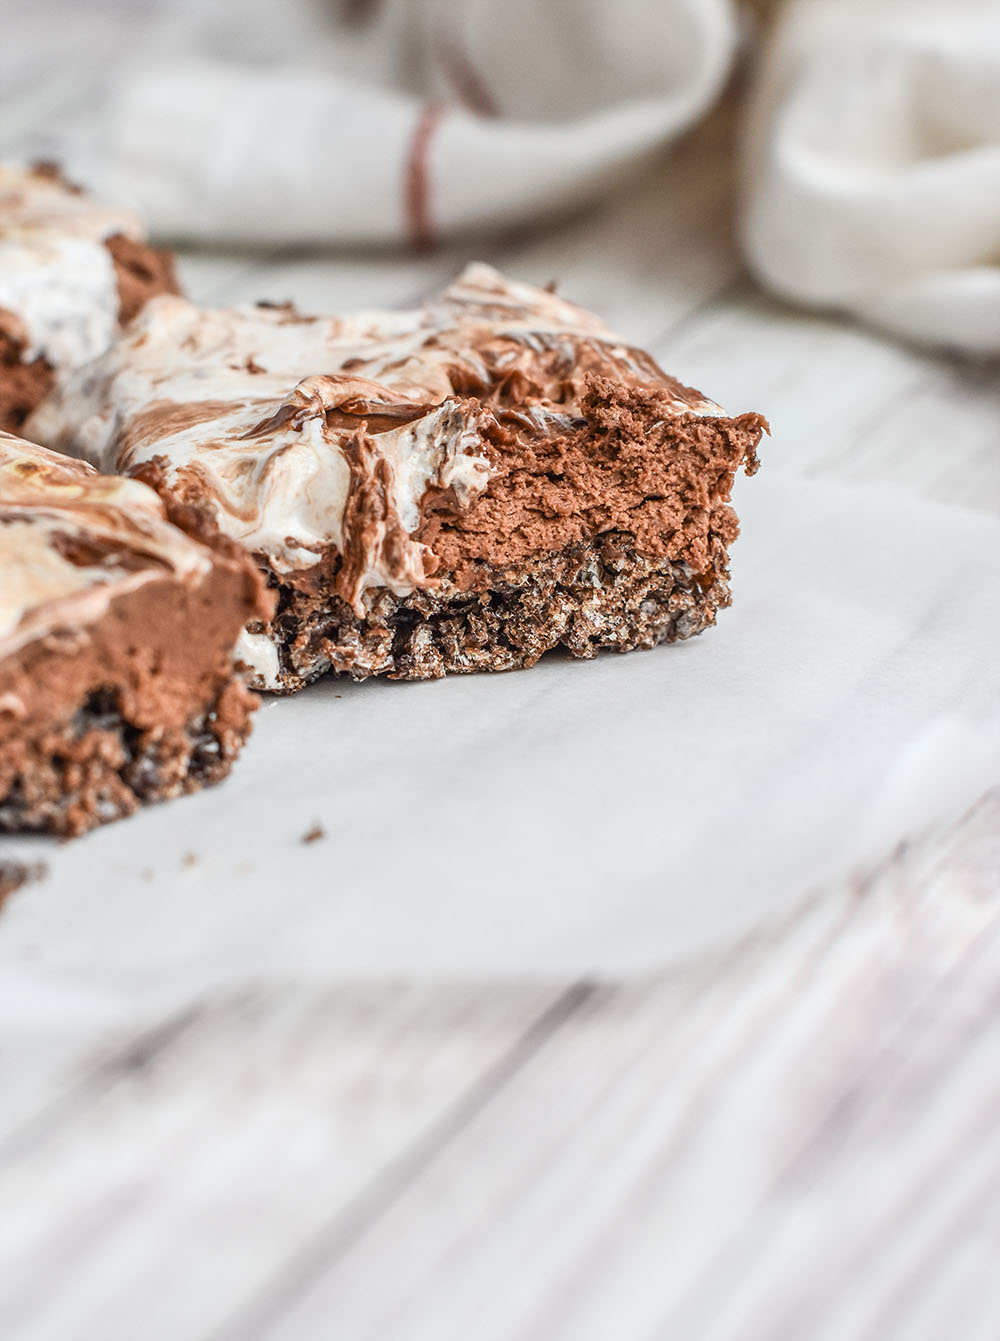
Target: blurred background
(867, 152)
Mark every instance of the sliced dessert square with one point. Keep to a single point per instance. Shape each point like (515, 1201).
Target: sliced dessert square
(72, 272)
(461, 487)
(117, 631)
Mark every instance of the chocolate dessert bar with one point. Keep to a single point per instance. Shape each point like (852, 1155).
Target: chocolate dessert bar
(72, 272)
(117, 630)
(461, 487)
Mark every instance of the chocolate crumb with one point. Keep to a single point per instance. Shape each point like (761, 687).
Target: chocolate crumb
(314, 834)
(188, 860)
(14, 874)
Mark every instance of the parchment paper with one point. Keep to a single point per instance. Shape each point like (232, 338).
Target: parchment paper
(595, 818)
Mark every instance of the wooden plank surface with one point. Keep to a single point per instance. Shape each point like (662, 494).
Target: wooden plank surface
(794, 1138)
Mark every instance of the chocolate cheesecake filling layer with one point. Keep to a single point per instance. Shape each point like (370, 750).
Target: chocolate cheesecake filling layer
(622, 462)
(141, 707)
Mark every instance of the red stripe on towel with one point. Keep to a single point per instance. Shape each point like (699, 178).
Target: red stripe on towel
(417, 178)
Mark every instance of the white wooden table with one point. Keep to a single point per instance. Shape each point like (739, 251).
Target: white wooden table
(796, 1138)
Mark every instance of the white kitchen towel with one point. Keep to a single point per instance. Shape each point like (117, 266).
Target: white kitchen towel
(601, 818)
(871, 162)
(872, 165)
(406, 119)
